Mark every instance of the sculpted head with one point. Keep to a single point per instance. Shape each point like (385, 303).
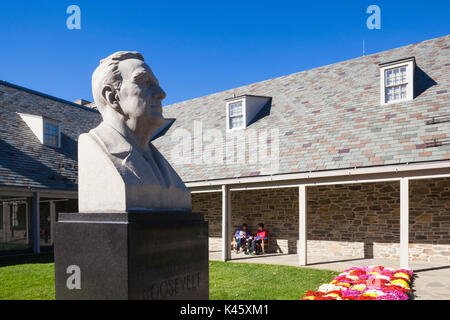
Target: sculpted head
(127, 93)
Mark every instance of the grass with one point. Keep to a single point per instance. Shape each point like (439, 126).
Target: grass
(251, 281)
(31, 277)
(28, 277)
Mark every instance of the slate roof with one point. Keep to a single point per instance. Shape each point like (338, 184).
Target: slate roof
(24, 161)
(330, 117)
(327, 118)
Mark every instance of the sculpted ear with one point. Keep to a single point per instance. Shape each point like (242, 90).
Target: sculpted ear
(111, 97)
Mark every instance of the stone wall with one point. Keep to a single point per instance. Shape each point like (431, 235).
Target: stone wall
(429, 218)
(210, 204)
(344, 221)
(276, 208)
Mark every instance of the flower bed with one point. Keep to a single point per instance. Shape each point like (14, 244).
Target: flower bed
(368, 283)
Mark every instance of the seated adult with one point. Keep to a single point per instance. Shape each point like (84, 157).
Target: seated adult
(261, 235)
(241, 236)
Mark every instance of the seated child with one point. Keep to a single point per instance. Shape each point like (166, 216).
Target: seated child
(260, 236)
(241, 236)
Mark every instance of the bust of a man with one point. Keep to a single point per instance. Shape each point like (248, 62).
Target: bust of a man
(119, 168)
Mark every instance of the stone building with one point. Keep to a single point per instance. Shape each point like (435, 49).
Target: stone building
(38, 164)
(349, 160)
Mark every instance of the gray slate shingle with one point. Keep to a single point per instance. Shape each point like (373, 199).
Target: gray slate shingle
(330, 117)
(24, 161)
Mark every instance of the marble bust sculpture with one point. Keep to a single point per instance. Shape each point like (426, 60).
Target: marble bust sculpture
(119, 169)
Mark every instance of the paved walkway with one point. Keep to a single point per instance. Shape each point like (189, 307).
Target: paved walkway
(432, 281)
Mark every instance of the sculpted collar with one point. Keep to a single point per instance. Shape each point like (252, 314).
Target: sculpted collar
(113, 141)
(117, 145)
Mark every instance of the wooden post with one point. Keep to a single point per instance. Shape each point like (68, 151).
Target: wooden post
(302, 233)
(36, 225)
(226, 222)
(52, 220)
(6, 222)
(404, 222)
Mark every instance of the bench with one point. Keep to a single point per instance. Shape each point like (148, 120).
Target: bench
(233, 244)
(264, 245)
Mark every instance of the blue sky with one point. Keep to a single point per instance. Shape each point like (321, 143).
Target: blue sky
(200, 47)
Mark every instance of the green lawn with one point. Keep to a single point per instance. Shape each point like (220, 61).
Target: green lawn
(234, 281)
(32, 277)
(27, 277)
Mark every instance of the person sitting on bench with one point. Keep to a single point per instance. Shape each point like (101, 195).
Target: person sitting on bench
(261, 235)
(241, 236)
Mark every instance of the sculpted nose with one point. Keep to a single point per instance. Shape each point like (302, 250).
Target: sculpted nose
(159, 94)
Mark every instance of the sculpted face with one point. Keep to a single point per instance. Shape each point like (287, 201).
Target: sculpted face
(140, 96)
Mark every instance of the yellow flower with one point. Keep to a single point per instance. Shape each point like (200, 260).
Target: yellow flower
(345, 284)
(401, 283)
(402, 275)
(333, 295)
(373, 293)
(359, 287)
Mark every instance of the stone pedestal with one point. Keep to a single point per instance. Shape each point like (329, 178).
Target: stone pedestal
(131, 255)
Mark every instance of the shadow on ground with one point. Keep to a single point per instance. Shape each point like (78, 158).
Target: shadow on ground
(26, 259)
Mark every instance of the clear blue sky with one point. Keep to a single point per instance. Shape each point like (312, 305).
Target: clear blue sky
(200, 47)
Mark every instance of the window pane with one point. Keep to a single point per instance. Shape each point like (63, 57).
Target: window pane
(395, 76)
(403, 91)
(389, 77)
(396, 93)
(403, 74)
(388, 94)
(51, 134)
(235, 109)
(236, 122)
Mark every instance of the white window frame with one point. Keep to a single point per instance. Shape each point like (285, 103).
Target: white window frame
(58, 127)
(244, 114)
(410, 66)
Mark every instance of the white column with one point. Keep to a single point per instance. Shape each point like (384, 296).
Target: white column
(52, 220)
(302, 237)
(404, 222)
(35, 223)
(226, 223)
(6, 222)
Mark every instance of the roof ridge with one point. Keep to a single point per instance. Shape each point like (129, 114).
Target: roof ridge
(298, 72)
(44, 95)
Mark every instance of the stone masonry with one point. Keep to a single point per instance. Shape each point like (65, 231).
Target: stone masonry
(344, 221)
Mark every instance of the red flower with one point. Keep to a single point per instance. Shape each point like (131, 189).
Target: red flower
(378, 269)
(325, 298)
(314, 293)
(361, 297)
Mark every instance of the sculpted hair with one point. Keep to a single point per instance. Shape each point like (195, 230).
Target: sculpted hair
(107, 73)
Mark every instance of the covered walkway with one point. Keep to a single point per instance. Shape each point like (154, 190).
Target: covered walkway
(403, 214)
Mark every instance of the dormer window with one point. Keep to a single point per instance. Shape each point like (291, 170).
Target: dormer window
(236, 115)
(47, 130)
(397, 81)
(51, 133)
(241, 111)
